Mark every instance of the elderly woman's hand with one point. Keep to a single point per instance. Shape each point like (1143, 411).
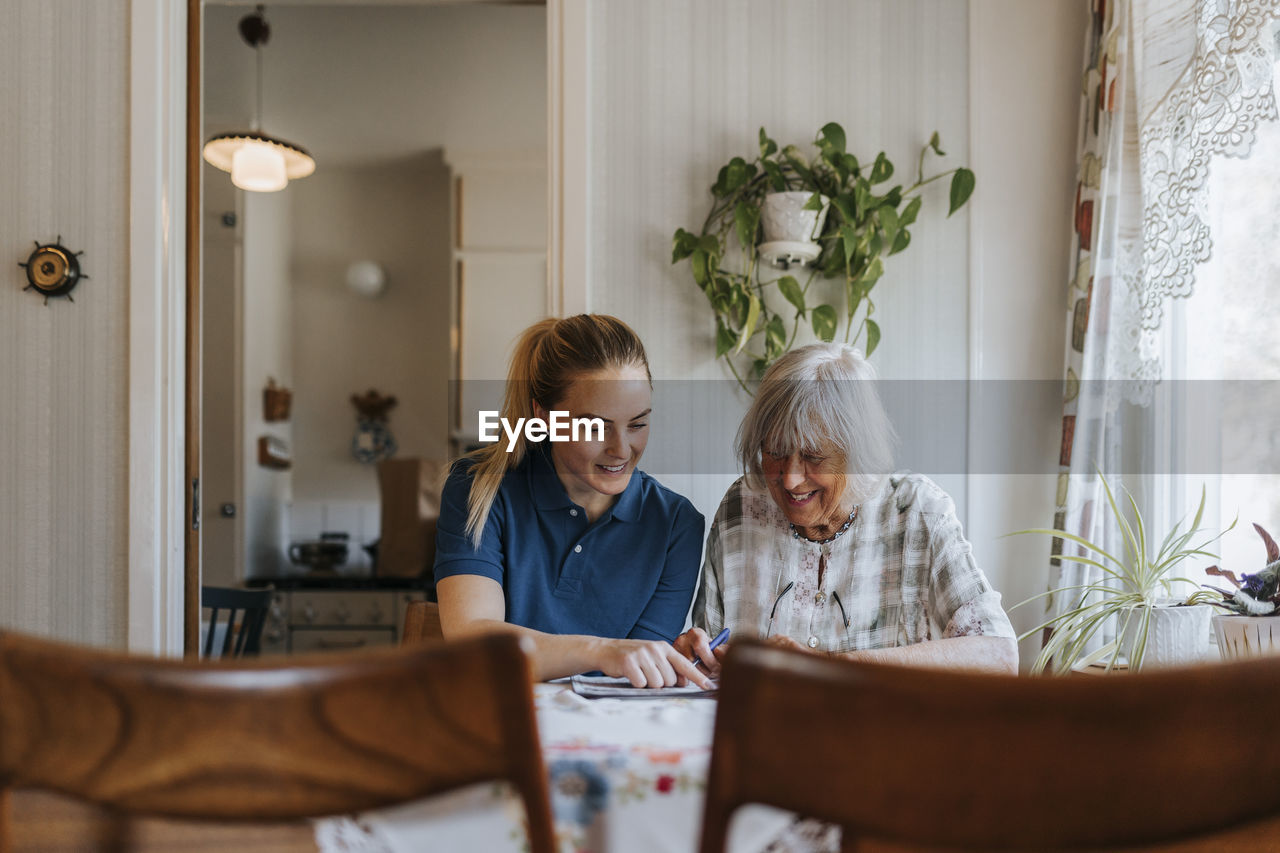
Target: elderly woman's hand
(696, 641)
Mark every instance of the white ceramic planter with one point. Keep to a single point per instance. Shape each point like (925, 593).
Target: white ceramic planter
(1177, 636)
(783, 217)
(1246, 636)
(790, 231)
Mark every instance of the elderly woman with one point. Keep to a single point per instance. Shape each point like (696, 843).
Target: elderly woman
(819, 548)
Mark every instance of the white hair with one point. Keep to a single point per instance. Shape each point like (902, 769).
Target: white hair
(818, 399)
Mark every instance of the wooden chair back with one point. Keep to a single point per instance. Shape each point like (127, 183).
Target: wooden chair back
(251, 741)
(242, 637)
(421, 623)
(981, 762)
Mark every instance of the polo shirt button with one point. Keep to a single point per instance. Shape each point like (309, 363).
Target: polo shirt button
(577, 549)
(573, 512)
(813, 642)
(819, 598)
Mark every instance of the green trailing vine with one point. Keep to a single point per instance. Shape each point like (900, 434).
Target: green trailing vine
(864, 224)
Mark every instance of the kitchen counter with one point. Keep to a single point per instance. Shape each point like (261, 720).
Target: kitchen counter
(293, 582)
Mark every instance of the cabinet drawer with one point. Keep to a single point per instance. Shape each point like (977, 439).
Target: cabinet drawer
(335, 609)
(303, 640)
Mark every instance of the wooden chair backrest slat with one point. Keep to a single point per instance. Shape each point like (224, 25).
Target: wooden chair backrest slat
(299, 738)
(421, 622)
(982, 762)
(243, 638)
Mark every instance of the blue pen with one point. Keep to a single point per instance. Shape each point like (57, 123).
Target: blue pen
(720, 638)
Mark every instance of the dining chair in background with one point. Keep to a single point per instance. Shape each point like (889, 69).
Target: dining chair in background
(239, 638)
(254, 741)
(421, 623)
(931, 759)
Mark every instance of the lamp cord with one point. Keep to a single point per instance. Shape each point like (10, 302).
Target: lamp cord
(257, 116)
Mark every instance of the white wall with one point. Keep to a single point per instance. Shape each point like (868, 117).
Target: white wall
(670, 104)
(362, 83)
(978, 296)
(267, 354)
(64, 74)
(1025, 85)
(396, 214)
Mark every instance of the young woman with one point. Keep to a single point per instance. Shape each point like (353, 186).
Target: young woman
(568, 543)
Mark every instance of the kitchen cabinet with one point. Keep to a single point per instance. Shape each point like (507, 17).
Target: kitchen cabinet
(305, 620)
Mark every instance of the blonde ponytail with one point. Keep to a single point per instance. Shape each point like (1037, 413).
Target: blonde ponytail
(548, 356)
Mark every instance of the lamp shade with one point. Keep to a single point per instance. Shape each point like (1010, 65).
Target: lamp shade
(256, 167)
(268, 165)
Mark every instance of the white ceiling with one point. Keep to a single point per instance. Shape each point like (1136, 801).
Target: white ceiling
(369, 83)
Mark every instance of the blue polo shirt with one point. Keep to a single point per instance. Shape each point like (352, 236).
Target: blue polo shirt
(631, 574)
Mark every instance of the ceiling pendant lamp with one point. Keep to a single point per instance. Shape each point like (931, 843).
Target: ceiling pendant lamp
(257, 161)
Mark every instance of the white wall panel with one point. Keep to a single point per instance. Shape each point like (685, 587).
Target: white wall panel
(1025, 79)
(266, 353)
(677, 89)
(63, 369)
(396, 214)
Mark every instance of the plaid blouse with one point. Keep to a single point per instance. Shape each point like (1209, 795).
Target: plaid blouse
(901, 574)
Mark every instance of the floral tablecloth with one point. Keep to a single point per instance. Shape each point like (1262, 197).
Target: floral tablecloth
(626, 775)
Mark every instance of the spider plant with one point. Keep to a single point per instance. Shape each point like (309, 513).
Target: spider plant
(1131, 586)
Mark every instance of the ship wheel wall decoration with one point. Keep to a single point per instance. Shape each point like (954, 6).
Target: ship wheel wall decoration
(53, 270)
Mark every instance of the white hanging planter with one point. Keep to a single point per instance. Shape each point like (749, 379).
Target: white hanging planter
(1246, 636)
(1176, 636)
(790, 231)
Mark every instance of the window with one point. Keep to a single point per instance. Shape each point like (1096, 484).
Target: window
(1230, 331)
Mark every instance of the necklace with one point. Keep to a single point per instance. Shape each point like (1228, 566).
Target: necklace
(838, 533)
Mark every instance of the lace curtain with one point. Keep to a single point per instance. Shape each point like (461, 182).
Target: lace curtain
(1168, 85)
(1203, 75)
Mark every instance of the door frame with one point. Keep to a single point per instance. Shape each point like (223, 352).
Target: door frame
(161, 259)
(568, 156)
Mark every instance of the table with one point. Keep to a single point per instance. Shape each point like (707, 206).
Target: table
(626, 775)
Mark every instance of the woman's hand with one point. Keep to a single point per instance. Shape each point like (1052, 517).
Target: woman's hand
(649, 663)
(696, 641)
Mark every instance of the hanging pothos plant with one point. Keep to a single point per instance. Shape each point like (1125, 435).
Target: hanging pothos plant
(863, 225)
